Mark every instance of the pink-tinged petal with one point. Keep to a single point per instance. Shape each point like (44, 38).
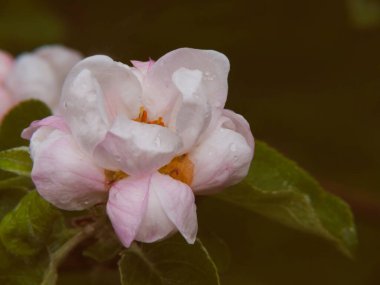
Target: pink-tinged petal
(143, 66)
(222, 159)
(160, 93)
(240, 125)
(177, 201)
(96, 90)
(150, 208)
(64, 175)
(126, 207)
(84, 110)
(6, 62)
(32, 77)
(55, 122)
(136, 148)
(192, 113)
(6, 102)
(60, 58)
(155, 224)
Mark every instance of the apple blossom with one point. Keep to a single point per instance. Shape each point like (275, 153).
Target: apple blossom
(6, 102)
(143, 140)
(36, 75)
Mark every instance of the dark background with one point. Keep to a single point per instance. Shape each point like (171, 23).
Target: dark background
(306, 75)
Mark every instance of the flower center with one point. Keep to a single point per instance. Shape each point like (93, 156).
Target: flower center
(180, 168)
(143, 118)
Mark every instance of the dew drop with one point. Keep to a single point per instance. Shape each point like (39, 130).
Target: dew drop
(157, 141)
(233, 147)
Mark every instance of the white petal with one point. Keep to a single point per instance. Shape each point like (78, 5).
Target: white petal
(155, 225)
(192, 113)
(95, 92)
(222, 159)
(240, 125)
(126, 207)
(177, 201)
(150, 208)
(160, 93)
(137, 148)
(32, 77)
(63, 175)
(55, 122)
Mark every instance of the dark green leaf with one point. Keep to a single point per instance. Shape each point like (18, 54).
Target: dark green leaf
(9, 198)
(27, 229)
(17, 182)
(277, 188)
(18, 119)
(16, 160)
(170, 262)
(218, 250)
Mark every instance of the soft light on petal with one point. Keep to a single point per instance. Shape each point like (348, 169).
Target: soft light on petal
(223, 158)
(150, 208)
(126, 207)
(95, 92)
(137, 148)
(192, 113)
(160, 93)
(55, 122)
(177, 201)
(84, 110)
(63, 175)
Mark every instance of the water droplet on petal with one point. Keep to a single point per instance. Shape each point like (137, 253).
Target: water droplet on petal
(233, 147)
(157, 141)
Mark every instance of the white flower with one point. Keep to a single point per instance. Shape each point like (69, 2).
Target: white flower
(159, 133)
(36, 75)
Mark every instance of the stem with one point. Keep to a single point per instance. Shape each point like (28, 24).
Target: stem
(59, 256)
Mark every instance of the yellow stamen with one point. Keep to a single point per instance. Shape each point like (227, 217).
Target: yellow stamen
(180, 168)
(143, 118)
(113, 176)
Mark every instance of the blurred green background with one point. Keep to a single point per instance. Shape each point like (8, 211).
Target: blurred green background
(306, 75)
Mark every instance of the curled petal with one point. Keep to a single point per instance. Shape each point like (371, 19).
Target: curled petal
(240, 125)
(126, 206)
(95, 92)
(177, 201)
(55, 122)
(150, 208)
(136, 148)
(6, 62)
(193, 112)
(213, 65)
(143, 66)
(63, 175)
(223, 158)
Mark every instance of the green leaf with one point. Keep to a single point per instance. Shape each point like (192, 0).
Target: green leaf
(9, 198)
(16, 160)
(278, 189)
(218, 250)
(169, 262)
(18, 119)
(17, 182)
(27, 229)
